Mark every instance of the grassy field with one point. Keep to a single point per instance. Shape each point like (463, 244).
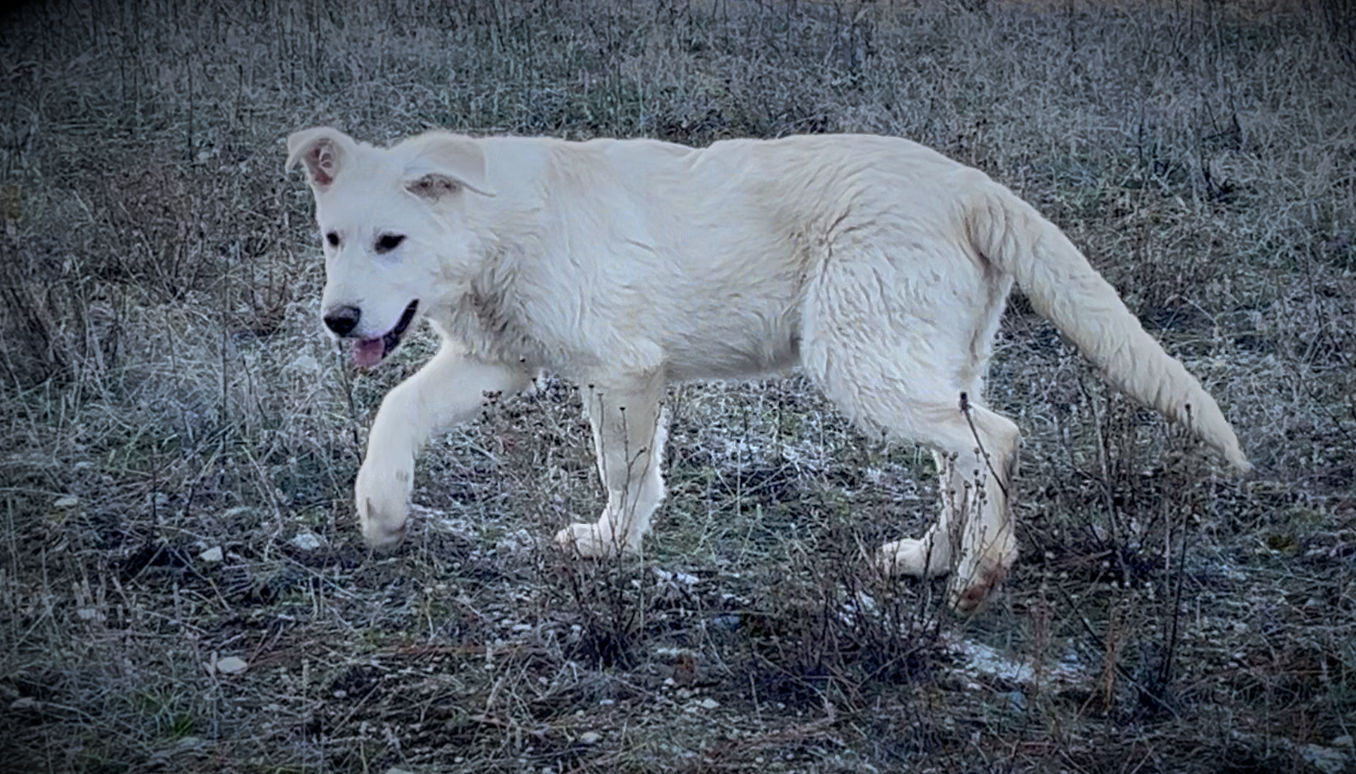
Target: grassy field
(182, 584)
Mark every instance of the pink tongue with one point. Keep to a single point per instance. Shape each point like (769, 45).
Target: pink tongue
(368, 352)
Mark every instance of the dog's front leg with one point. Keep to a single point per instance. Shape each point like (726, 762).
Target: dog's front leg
(450, 389)
(628, 433)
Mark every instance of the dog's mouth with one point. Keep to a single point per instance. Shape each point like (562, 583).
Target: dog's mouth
(369, 352)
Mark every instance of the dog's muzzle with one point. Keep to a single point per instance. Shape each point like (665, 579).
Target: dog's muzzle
(368, 352)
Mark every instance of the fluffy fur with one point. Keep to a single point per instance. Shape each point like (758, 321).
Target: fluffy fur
(877, 266)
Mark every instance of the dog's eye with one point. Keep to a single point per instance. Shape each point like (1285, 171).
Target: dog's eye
(332, 238)
(389, 242)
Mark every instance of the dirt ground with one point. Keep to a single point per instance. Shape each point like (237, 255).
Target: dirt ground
(182, 584)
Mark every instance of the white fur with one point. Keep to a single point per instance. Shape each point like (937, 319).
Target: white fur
(876, 265)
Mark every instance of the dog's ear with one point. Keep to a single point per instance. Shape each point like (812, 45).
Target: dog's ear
(322, 150)
(443, 163)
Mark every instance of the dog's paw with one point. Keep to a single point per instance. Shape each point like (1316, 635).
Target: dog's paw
(966, 598)
(592, 541)
(915, 558)
(382, 496)
(975, 581)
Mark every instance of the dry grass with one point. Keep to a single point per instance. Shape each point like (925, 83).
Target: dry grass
(165, 391)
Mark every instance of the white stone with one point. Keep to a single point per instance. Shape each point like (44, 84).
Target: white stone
(231, 665)
(307, 541)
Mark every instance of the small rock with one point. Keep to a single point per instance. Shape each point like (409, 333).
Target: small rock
(1344, 741)
(394, 770)
(89, 614)
(590, 737)
(305, 363)
(213, 554)
(231, 665)
(27, 702)
(709, 704)
(66, 502)
(307, 541)
(727, 621)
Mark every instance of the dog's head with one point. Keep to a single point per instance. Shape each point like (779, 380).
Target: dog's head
(392, 223)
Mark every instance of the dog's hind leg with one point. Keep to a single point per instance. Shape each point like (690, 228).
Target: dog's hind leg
(902, 369)
(931, 556)
(974, 535)
(628, 435)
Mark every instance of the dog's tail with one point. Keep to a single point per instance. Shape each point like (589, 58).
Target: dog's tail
(1067, 291)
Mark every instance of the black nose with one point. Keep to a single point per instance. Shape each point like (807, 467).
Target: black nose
(343, 319)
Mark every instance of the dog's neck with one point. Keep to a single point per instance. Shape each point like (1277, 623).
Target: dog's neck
(483, 312)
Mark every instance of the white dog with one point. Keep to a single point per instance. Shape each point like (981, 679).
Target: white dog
(876, 265)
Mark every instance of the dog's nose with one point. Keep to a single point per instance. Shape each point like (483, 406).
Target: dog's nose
(343, 319)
